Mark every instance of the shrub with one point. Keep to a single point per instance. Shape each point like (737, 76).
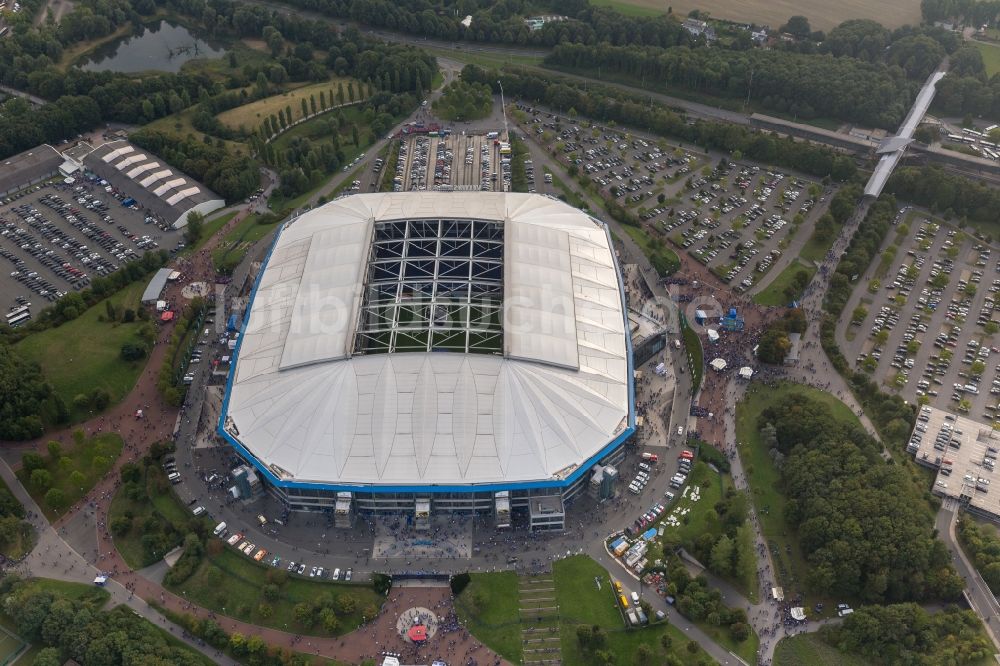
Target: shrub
(459, 582)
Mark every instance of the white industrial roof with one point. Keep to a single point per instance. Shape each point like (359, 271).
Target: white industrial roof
(313, 407)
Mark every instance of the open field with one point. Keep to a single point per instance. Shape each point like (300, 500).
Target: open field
(232, 584)
(252, 115)
(774, 293)
(632, 8)
(471, 56)
(821, 15)
(492, 617)
(583, 603)
(809, 650)
(765, 480)
(85, 353)
(991, 56)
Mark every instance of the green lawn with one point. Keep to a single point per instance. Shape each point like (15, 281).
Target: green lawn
(774, 293)
(86, 592)
(471, 56)
(210, 228)
(84, 354)
(810, 650)
(663, 259)
(765, 480)
(92, 459)
(695, 354)
(580, 602)
(157, 512)
(231, 583)
(571, 197)
(991, 56)
(238, 241)
(815, 249)
(627, 8)
(489, 609)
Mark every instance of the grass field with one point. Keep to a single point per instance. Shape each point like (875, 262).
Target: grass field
(821, 15)
(231, 583)
(93, 458)
(765, 480)
(251, 115)
(774, 293)
(493, 617)
(235, 244)
(84, 354)
(582, 603)
(809, 650)
(991, 56)
(210, 228)
(695, 354)
(471, 56)
(160, 505)
(632, 8)
(663, 259)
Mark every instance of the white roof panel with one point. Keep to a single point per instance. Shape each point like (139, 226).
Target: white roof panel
(312, 412)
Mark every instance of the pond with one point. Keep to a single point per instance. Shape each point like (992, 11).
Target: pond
(163, 46)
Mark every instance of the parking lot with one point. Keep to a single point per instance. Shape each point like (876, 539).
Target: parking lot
(736, 219)
(453, 162)
(56, 238)
(928, 318)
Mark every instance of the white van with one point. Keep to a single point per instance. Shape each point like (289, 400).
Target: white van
(220, 529)
(635, 598)
(198, 510)
(336, 574)
(174, 477)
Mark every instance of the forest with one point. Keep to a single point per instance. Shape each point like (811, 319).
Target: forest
(81, 100)
(807, 86)
(503, 22)
(863, 526)
(948, 194)
(611, 105)
(910, 634)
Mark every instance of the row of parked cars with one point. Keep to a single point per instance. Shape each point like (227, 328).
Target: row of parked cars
(248, 548)
(684, 463)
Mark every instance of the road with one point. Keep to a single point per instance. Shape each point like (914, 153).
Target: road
(37, 101)
(977, 592)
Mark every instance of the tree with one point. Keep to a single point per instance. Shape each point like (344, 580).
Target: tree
(131, 351)
(31, 461)
(195, 228)
(77, 479)
(774, 346)
(797, 26)
(644, 655)
(41, 479)
(55, 450)
(722, 556)
(48, 657)
(55, 499)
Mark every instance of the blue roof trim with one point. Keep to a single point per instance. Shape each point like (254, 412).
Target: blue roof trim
(584, 467)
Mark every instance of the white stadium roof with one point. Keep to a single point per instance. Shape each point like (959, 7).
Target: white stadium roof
(471, 390)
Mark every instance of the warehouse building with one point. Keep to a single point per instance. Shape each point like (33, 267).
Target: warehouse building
(28, 168)
(153, 184)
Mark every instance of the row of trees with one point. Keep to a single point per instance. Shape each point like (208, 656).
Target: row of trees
(861, 522)
(25, 397)
(697, 600)
(728, 551)
(464, 101)
(860, 252)
(614, 106)
(807, 86)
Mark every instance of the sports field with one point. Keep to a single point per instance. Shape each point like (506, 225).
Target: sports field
(821, 15)
(252, 115)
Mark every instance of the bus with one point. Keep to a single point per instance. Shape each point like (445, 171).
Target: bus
(17, 311)
(22, 318)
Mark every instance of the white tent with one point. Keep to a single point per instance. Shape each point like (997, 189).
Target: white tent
(713, 335)
(746, 372)
(718, 364)
(798, 613)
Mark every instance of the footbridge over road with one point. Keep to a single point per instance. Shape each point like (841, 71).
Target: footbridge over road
(892, 149)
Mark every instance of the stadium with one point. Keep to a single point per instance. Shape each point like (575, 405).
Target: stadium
(434, 352)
